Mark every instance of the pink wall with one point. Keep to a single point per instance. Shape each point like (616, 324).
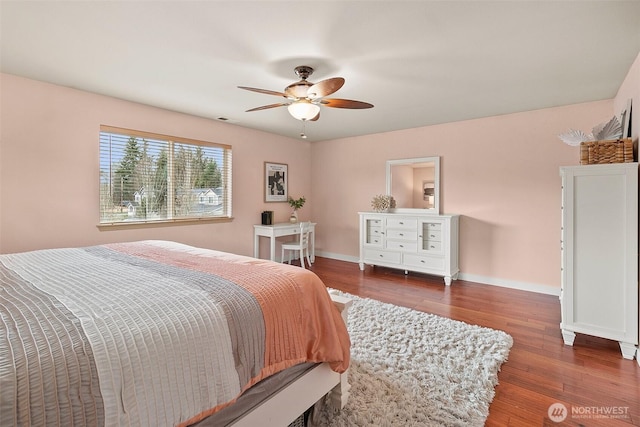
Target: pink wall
(630, 89)
(49, 169)
(500, 173)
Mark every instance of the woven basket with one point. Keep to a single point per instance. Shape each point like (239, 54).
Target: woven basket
(298, 422)
(613, 151)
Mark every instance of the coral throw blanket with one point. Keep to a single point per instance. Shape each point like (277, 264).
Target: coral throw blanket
(152, 333)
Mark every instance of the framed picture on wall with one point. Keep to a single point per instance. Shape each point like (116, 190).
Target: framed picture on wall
(625, 121)
(276, 178)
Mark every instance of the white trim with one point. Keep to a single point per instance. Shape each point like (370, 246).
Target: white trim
(339, 257)
(492, 281)
(284, 406)
(511, 284)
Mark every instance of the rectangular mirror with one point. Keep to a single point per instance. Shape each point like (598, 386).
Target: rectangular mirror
(415, 183)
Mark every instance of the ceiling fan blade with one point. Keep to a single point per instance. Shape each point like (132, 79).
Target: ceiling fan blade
(345, 103)
(317, 116)
(265, 91)
(266, 107)
(325, 87)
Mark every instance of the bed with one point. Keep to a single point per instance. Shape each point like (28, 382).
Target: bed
(160, 333)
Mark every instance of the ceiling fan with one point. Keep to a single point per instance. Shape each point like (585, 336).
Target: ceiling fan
(305, 98)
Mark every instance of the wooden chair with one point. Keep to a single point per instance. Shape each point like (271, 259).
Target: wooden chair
(301, 245)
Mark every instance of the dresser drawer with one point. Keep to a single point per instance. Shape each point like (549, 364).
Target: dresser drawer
(374, 240)
(432, 226)
(430, 262)
(432, 246)
(432, 236)
(404, 223)
(374, 255)
(400, 245)
(374, 231)
(408, 235)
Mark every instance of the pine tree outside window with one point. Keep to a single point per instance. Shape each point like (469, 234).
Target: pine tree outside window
(149, 178)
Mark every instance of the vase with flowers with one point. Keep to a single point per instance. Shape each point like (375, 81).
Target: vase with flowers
(295, 205)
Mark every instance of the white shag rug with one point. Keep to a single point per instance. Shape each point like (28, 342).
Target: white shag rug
(410, 368)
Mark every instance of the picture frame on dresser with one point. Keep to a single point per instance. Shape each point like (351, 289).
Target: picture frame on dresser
(276, 179)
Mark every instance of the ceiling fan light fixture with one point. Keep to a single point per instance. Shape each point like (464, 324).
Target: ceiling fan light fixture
(304, 99)
(303, 110)
(297, 90)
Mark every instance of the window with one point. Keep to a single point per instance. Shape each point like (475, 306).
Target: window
(146, 178)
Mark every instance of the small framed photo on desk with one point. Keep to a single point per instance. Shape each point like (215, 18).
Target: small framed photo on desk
(276, 178)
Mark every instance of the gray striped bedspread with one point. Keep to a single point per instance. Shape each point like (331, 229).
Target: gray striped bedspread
(151, 333)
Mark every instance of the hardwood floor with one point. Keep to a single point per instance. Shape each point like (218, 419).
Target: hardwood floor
(589, 378)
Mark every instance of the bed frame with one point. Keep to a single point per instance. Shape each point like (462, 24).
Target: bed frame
(283, 407)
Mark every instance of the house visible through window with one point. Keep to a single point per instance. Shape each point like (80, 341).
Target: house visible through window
(148, 177)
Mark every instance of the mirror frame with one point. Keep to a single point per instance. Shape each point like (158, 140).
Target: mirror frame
(436, 174)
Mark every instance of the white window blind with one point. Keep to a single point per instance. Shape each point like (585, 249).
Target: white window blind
(147, 177)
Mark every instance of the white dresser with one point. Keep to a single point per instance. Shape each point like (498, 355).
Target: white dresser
(425, 243)
(599, 247)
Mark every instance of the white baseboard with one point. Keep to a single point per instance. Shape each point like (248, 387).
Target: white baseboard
(511, 284)
(338, 257)
(503, 283)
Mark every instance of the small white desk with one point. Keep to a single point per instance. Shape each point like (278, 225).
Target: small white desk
(278, 230)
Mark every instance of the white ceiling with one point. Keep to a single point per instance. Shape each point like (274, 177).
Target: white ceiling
(419, 62)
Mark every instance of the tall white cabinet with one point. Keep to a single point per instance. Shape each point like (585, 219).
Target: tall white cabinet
(599, 247)
(425, 243)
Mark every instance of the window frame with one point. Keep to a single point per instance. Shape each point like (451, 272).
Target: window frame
(226, 171)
